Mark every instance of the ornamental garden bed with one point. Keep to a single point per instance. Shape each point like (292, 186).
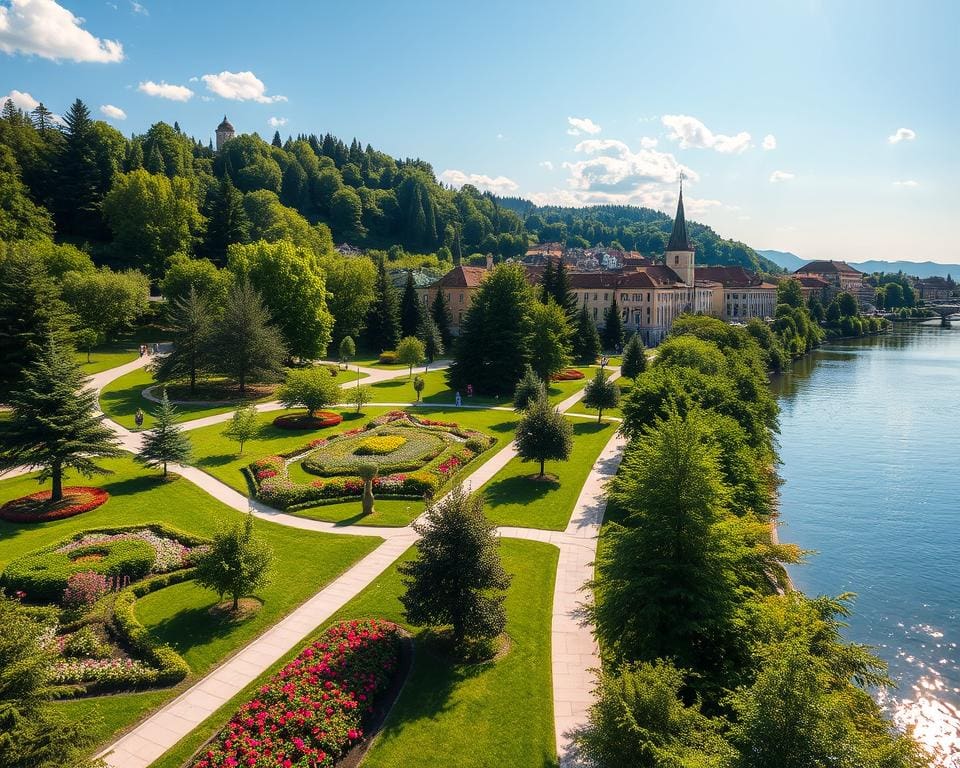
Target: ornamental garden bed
(318, 706)
(414, 457)
(85, 589)
(316, 420)
(37, 507)
(571, 374)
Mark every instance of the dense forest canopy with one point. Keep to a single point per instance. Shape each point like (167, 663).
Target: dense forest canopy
(138, 201)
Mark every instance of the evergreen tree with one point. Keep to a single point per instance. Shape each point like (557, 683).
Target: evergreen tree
(529, 389)
(383, 317)
(549, 339)
(277, 141)
(55, 424)
(165, 442)
(430, 336)
(246, 345)
(411, 308)
(601, 394)
(457, 577)
(31, 313)
(347, 350)
(561, 291)
(586, 339)
(547, 281)
(191, 320)
(81, 178)
(237, 563)
(42, 118)
(634, 358)
(543, 434)
(440, 312)
(227, 220)
(612, 326)
(154, 162)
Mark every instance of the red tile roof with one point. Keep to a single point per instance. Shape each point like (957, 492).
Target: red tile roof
(827, 267)
(809, 281)
(730, 277)
(462, 277)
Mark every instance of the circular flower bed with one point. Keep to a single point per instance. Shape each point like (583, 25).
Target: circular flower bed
(379, 446)
(37, 507)
(316, 420)
(571, 374)
(311, 711)
(343, 454)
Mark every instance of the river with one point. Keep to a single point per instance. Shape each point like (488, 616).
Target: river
(870, 445)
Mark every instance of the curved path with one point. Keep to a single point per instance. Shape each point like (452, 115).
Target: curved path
(573, 649)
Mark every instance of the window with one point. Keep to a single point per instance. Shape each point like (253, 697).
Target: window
(594, 313)
(604, 296)
(594, 298)
(676, 258)
(461, 298)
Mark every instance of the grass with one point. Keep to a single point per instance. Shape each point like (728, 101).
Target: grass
(387, 512)
(625, 386)
(304, 562)
(498, 713)
(104, 358)
(512, 498)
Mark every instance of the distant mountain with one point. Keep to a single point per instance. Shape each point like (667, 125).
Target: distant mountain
(791, 262)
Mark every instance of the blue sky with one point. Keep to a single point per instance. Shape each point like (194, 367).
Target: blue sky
(824, 128)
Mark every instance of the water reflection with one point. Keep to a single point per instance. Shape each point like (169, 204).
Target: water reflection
(869, 443)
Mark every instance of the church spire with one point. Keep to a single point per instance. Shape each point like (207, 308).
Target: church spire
(678, 237)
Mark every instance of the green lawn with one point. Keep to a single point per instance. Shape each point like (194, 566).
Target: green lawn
(512, 498)
(494, 714)
(103, 358)
(625, 386)
(304, 562)
(393, 513)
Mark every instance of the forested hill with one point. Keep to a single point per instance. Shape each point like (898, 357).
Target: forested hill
(634, 228)
(136, 201)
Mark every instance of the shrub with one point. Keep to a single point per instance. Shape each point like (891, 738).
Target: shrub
(84, 643)
(104, 674)
(170, 666)
(84, 589)
(476, 444)
(317, 420)
(331, 686)
(388, 357)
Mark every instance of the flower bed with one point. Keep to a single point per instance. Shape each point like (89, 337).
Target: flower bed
(378, 446)
(432, 452)
(571, 374)
(312, 711)
(122, 555)
(316, 420)
(37, 508)
(109, 673)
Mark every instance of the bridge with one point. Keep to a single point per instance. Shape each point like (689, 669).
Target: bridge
(946, 310)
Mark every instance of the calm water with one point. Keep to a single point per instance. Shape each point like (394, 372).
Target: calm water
(870, 443)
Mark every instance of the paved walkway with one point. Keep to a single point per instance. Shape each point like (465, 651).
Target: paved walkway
(573, 649)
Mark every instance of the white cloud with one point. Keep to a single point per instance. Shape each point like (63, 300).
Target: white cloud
(580, 125)
(240, 86)
(276, 122)
(902, 134)
(769, 142)
(646, 142)
(778, 176)
(499, 185)
(194, 79)
(500, 137)
(114, 113)
(48, 30)
(546, 164)
(165, 90)
(21, 100)
(137, 8)
(691, 132)
(909, 183)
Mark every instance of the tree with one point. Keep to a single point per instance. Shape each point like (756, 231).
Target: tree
(815, 306)
(418, 384)
(56, 423)
(530, 389)
(184, 273)
(549, 339)
(367, 473)
(152, 218)
(494, 343)
(411, 352)
(237, 563)
(246, 346)
(108, 302)
(228, 222)
(242, 426)
(345, 211)
(34, 733)
(277, 141)
(383, 317)
(543, 434)
(790, 292)
(359, 395)
(411, 308)
(586, 339)
(347, 350)
(457, 577)
(639, 719)
(293, 288)
(833, 313)
(612, 326)
(430, 336)
(313, 388)
(848, 305)
(165, 442)
(350, 293)
(20, 217)
(440, 312)
(561, 292)
(86, 339)
(601, 394)
(634, 358)
(192, 323)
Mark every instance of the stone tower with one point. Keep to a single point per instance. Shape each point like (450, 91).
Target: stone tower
(225, 132)
(679, 256)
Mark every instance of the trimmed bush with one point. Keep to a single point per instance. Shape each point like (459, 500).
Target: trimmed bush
(388, 357)
(170, 667)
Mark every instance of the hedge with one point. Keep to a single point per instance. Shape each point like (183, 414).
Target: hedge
(170, 665)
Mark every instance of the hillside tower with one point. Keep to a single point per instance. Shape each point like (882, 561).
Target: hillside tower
(225, 132)
(679, 255)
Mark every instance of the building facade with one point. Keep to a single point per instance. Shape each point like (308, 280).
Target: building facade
(838, 275)
(225, 132)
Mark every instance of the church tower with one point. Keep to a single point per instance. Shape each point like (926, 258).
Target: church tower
(225, 132)
(679, 256)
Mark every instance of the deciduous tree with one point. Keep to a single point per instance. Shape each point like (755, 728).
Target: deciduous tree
(242, 426)
(543, 434)
(237, 563)
(601, 394)
(411, 352)
(313, 388)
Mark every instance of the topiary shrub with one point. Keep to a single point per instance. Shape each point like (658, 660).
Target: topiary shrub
(388, 357)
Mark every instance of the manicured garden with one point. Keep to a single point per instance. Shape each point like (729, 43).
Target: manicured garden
(625, 386)
(465, 716)
(515, 497)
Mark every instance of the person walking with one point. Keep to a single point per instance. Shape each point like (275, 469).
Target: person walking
(457, 399)
(138, 418)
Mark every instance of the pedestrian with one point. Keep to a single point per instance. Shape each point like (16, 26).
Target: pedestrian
(156, 349)
(138, 418)
(457, 399)
(469, 390)
(141, 350)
